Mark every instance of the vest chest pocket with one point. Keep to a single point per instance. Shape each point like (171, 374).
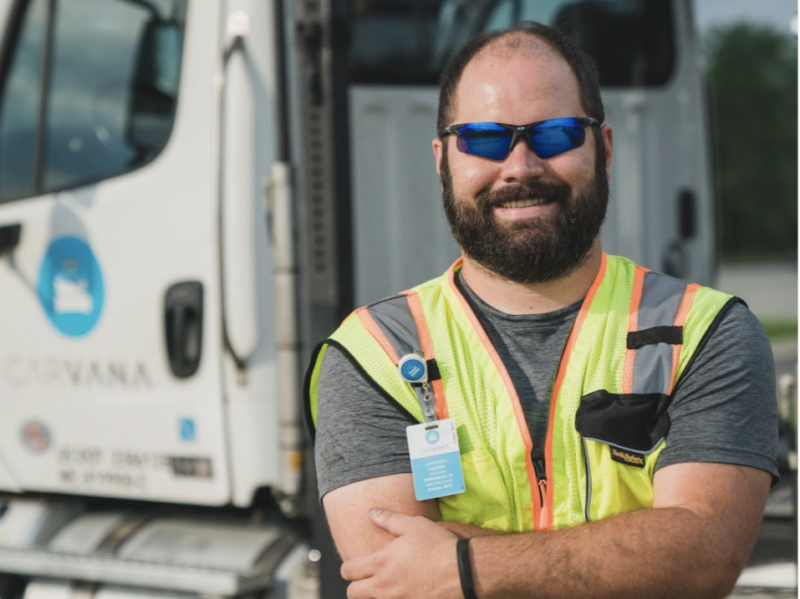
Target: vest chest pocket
(622, 437)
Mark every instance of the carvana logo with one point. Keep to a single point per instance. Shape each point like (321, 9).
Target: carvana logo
(71, 286)
(412, 370)
(432, 437)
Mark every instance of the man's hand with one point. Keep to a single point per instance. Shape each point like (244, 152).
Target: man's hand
(419, 562)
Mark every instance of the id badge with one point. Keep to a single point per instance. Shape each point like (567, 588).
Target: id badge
(435, 459)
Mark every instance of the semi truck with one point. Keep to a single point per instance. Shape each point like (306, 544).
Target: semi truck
(192, 194)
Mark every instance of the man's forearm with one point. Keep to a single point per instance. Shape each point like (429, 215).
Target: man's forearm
(669, 552)
(694, 542)
(468, 531)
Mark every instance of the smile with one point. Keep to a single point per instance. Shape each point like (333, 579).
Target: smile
(524, 203)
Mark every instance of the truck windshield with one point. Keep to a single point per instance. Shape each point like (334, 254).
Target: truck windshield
(408, 41)
(89, 89)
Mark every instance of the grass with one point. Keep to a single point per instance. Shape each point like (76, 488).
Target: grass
(780, 329)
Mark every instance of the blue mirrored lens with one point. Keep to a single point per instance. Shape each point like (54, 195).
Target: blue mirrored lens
(556, 137)
(487, 140)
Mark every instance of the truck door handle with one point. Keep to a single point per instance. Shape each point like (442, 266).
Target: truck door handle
(9, 237)
(183, 327)
(687, 214)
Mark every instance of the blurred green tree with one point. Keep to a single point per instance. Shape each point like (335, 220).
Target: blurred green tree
(753, 76)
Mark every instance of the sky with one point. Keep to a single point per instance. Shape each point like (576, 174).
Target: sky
(776, 13)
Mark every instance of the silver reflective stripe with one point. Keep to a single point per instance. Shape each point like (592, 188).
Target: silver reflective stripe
(393, 316)
(661, 298)
(652, 369)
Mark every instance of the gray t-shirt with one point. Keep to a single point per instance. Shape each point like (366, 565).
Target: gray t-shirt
(723, 410)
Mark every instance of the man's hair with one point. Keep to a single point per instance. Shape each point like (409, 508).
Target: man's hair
(580, 63)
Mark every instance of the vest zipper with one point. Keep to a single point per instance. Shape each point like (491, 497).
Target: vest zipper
(541, 480)
(587, 513)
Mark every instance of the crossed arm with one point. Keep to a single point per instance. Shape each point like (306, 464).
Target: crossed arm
(693, 543)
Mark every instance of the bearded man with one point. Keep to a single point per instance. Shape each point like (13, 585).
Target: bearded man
(579, 425)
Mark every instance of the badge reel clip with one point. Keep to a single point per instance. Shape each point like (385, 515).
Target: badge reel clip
(414, 369)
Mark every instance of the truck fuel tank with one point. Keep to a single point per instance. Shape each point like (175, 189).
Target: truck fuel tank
(136, 552)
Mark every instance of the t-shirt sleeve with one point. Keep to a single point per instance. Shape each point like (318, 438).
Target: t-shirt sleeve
(360, 433)
(724, 409)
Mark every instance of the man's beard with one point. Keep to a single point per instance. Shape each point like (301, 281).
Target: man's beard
(533, 250)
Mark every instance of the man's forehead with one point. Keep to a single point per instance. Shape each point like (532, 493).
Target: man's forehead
(514, 57)
(515, 48)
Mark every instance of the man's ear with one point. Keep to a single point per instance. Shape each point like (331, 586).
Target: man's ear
(608, 140)
(437, 153)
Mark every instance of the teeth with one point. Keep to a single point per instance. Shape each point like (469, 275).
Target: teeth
(522, 203)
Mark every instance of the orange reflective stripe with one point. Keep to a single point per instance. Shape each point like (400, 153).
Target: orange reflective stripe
(422, 325)
(546, 519)
(439, 399)
(415, 305)
(369, 323)
(522, 425)
(680, 320)
(686, 304)
(633, 325)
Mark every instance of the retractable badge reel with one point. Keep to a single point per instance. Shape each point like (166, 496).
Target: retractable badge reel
(414, 369)
(432, 445)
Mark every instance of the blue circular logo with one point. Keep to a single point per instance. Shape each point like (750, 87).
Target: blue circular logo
(71, 286)
(432, 437)
(413, 369)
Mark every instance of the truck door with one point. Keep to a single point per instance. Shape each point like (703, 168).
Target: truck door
(110, 377)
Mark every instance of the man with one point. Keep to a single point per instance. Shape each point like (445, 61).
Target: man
(583, 388)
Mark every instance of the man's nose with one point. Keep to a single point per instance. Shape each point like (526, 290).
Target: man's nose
(522, 163)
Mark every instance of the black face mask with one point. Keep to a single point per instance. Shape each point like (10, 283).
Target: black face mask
(534, 250)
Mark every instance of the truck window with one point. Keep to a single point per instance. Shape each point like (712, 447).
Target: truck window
(408, 41)
(89, 89)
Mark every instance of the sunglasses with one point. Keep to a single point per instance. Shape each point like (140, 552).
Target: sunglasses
(546, 138)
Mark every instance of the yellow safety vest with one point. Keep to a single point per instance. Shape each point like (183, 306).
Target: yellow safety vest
(634, 336)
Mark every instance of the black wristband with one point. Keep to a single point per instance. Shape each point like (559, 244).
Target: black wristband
(465, 569)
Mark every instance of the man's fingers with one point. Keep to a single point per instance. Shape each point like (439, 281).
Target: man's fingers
(360, 567)
(392, 522)
(359, 590)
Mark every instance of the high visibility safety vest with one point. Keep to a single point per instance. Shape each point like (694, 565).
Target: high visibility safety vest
(636, 333)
